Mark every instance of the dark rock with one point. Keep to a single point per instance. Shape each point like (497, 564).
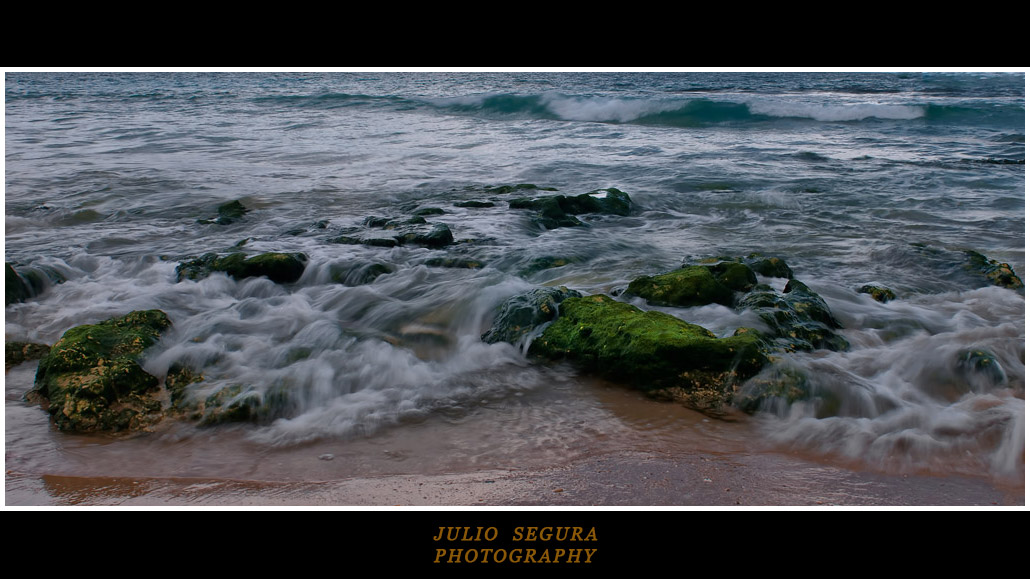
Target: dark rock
(455, 262)
(437, 236)
(798, 317)
(430, 211)
(357, 274)
(547, 262)
(999, 274)
(474, 204)
(91, 379)
(278, 267)
(28, 282)
(519, 315)
(505, 189)
(19, 352)
(878, 292)
(227, 213)
(16, 289)
(769, 266)
(560, 211)
(652, 351)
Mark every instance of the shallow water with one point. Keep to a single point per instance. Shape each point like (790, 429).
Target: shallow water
(851, 178)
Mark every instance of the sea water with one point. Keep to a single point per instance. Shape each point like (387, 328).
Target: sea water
(852, 178)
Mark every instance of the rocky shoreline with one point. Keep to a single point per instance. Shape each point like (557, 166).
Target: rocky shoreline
(91, 380)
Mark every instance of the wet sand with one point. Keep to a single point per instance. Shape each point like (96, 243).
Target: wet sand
(631, 479)
(639, 454)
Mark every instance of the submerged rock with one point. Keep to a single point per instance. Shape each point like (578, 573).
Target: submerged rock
(652, 351)
(227, 213)
(798, 317)
(278, 267)
(28, 283)
(519, 315)
(999, 274)
(878, 292)
(474, 204)
(559, 210)
(18, 352)
(91, 379)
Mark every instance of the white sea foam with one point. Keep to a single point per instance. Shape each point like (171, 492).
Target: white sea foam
(835, 112)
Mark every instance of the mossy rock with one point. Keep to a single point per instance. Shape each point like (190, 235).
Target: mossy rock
(652, 351)
(999, 274)
(768, 266)
(474, 204)
(690, 286)
(878, 292)
(798, 317)
(519, 315)
(237, 403)
(19, 352)
(91, 379)
(278, 267)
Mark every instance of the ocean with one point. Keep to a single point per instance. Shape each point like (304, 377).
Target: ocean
(114, 179)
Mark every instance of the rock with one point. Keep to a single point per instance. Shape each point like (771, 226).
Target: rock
(278, 267)
(227, 213)
(16, 289)
(19, 352)
(357, 274)
(798, 317)
(455, 262)
(548, 262)
(437, 236)
(91, 379)
(560, 211)
(519, 315)
(774, 389)
(999, 274)
(505, 189)
(690, 286)
(768, 266)
(29, 282)
(429, 211)
(652, 351)
(474, 204)
(878, 292)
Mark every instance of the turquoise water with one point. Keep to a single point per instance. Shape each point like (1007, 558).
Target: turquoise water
(851, 178)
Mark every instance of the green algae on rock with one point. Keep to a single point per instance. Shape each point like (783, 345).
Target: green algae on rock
(878, 292)
(91, 379)
(690, 286)
(278, 267)
(798, 317)
(652, 351)
(999, 274)
(519, 315)
(19, 352)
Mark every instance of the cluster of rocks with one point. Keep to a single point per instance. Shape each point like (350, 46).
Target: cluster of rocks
(92, 380)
